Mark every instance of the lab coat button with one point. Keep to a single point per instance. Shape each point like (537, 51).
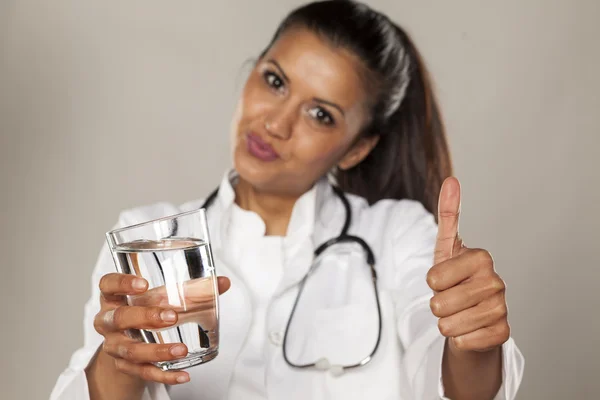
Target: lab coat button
(276, 338)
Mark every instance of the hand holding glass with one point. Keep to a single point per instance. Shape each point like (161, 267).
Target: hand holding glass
(174, 255)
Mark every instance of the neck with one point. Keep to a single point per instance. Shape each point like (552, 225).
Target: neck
(275, 210)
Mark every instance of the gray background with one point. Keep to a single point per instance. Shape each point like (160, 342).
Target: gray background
(106, 105)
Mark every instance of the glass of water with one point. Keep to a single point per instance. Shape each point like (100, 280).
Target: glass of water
(174, 255)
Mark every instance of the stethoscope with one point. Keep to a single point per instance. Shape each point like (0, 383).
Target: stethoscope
(343, 237)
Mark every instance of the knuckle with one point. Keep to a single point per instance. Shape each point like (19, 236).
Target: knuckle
(503, 310)
(124, 282)
(164, 352)
(438, 306)
(499, 284)
(109, 345)
(146, 373)
(435, 306)
(500, 311)
(432, 278)
(493, 285)
(504, 332)
(484, 258)
(98, 324)
(127, 352)
(461, 343)
(103, 283)
(121, 364)
(444, 327)
(119, 317)
(152, 314)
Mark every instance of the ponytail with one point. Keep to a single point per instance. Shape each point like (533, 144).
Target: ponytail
(411, 159)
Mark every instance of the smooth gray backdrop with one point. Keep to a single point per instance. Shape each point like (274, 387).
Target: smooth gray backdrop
(106, 105)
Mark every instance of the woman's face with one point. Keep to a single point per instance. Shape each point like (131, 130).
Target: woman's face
(299, 115)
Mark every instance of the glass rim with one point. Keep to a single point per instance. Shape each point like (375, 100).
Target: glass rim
(201, 210)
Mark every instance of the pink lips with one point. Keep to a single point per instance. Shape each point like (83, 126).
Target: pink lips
(259, 148)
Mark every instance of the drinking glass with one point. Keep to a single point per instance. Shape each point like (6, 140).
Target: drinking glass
(174, 255)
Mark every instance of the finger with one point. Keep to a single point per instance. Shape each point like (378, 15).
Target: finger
(197, 294)
(483, 339)
(466, 295)
(112, 301)
(150, 373)
(119, 345)
(223, 283)
(132, 317)
(114, 284)
(448, 216)
(203, 289)
(484, 314)
(453, 271)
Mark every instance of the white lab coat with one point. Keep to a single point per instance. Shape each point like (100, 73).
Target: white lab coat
(407, 364)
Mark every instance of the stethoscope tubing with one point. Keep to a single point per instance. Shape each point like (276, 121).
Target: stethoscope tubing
(343, 237)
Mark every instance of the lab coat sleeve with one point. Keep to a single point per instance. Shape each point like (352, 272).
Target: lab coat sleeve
(414, 234)
(72, 383)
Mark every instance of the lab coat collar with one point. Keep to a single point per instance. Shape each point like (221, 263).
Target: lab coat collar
(306, 211)
(226, 195)
(312, 209)
(312, 214)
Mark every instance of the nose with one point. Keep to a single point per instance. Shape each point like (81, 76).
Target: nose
(280, 121)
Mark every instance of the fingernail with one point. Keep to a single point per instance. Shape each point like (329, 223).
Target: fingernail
(183, 378)
(178, 351)
(138, 284)
(168, 316)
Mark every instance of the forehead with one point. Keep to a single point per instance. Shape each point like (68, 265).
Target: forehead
(314, 65)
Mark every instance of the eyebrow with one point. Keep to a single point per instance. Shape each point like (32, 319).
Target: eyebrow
(329, 104)
(316, 99)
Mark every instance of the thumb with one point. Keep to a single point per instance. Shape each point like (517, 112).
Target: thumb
(448, 242)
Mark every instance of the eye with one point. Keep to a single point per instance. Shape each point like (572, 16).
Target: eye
(321, 115)
(273, 80)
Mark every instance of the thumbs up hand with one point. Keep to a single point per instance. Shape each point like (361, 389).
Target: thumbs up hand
(469, 295)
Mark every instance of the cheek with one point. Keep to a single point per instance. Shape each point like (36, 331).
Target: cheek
(247, 110)
(254, 103)
(319, 148)
(235, 122)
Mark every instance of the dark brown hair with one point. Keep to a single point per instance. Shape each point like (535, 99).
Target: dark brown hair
(411, 159)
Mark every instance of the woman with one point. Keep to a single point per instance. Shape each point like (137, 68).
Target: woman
(339, 92)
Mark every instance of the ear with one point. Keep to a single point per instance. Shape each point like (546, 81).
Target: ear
(358, 152)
